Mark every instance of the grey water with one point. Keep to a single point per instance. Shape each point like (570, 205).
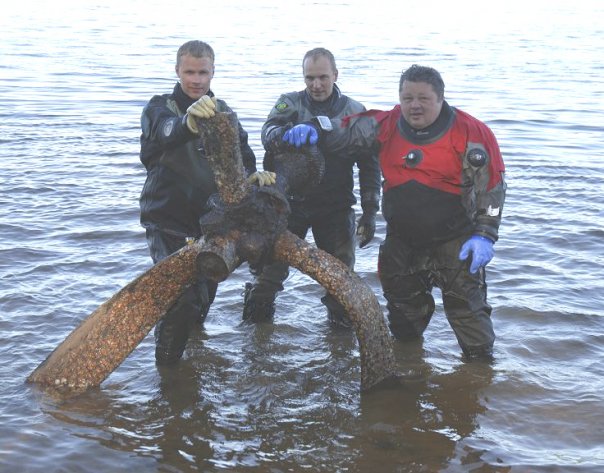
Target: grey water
(285, 397)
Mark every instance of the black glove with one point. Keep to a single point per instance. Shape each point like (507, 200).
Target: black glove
(366, 228)
(276, 144)
(370, 203)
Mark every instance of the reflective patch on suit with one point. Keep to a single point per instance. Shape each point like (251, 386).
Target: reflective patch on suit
(493, 212)
(281, 107)
(168, 126)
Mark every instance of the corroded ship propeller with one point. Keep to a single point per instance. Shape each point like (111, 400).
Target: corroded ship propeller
(247, 223)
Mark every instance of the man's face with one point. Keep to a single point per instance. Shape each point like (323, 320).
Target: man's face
(420, 105)
(319, 78)
(195, 74)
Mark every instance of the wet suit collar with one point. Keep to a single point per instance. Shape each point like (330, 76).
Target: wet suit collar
(183, 100)
(327, 107)
(430, 133)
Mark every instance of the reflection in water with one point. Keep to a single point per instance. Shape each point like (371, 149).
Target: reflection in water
(286, 397)
(215, 411)
(416, 426)
(182, 414)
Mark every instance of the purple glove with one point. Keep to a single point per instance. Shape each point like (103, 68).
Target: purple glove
(481, 249)
(301, 134)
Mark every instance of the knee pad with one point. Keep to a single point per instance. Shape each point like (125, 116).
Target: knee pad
(335, 312)
(408, 320)
(170, 341)
(401, 328)
(173, 329)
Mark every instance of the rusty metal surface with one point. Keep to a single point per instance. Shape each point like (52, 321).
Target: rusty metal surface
(375, 343)
(107, 336)
(246, 223)
(220, 138)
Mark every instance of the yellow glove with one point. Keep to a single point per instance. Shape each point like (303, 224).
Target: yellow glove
(205, 107)
(263, 178)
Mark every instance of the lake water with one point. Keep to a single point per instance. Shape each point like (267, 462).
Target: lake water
(74, 77)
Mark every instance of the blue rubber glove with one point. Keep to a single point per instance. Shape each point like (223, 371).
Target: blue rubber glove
(301, 134)
(481, 249)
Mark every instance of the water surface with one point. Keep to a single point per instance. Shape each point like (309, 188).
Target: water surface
(74, 77)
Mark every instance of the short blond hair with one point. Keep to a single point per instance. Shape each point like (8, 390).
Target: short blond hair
(195, 48)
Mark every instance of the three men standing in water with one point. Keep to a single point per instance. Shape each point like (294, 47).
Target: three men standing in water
(443, 186)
